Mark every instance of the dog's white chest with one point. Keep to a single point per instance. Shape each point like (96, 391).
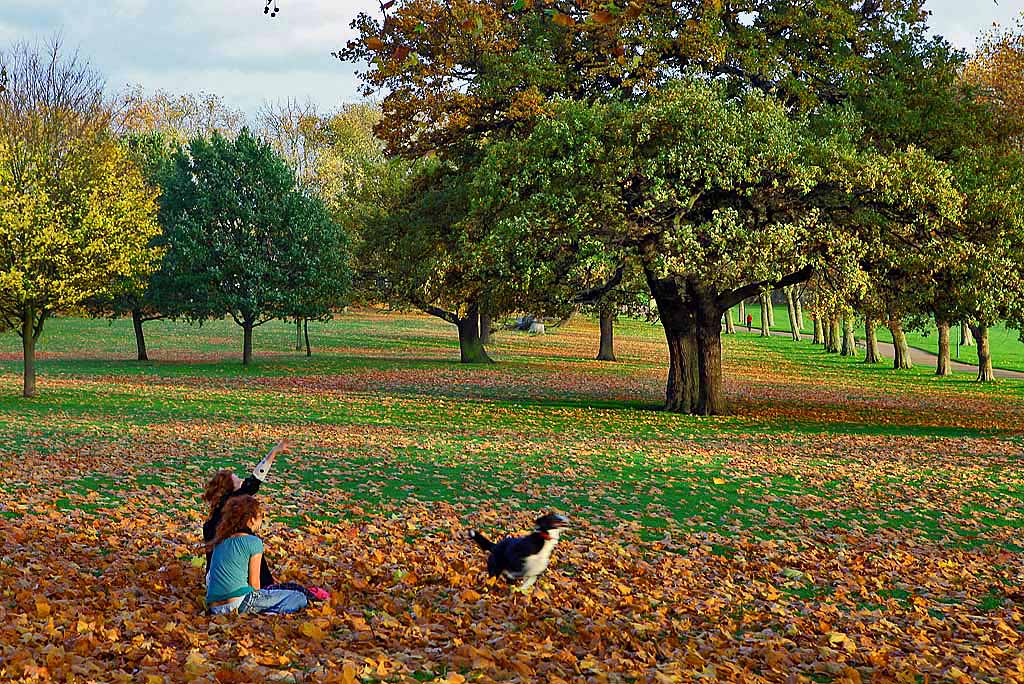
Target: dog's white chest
(536, 564)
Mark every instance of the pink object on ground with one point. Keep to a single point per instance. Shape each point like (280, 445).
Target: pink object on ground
(320, 593)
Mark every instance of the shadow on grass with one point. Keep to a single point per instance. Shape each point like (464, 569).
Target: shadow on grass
(132, 401)
(267, 366)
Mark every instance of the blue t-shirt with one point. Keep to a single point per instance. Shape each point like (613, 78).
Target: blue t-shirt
(229, 568)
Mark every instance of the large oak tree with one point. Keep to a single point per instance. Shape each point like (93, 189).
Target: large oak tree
(719, 198)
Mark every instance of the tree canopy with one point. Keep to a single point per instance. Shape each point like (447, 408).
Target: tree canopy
(243, 241)
(76, 215)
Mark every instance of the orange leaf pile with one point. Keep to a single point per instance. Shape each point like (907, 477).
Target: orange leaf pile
(836, 529)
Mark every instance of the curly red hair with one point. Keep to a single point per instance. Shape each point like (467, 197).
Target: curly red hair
(219, 486)
(239, 512)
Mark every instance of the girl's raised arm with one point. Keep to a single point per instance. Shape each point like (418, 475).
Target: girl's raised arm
(263, 467)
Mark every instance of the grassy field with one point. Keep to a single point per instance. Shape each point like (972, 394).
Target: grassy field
(844, 524)
(1007, 349)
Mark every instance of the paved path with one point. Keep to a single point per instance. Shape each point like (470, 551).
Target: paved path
(920, 357)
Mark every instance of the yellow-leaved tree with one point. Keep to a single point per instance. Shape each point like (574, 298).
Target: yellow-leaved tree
(997, 70)
(76, 215)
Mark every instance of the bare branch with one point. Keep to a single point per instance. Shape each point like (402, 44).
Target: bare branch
(52, 100)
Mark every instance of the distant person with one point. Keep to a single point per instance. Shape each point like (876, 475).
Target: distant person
(233, 583)
(750, 321)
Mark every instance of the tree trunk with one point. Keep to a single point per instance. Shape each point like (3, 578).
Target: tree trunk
(799, 310)
(794, 322)
(711, 396)
(743, 313)
(298, 334)
(819, 330)
(966, 337)
(606, 352)
(942, 363)
(28, 348)
(485, 329)
(730, 327)
(682, 387)
(471, 348)
(693, 330)
(305, 334)
(765, 321)
(681, 391)
(247, 326)
(849, 341)
(832, 335)
(901, 354)
(771, 308)
(871, 354)
(980, 334)
(140, 338)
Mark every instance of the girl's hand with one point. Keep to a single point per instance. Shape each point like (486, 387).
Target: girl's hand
(282, 447)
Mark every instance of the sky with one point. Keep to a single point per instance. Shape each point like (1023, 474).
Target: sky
(231, 48)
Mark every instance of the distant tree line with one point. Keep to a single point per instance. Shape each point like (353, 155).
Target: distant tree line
(157, 207)
(676, 161)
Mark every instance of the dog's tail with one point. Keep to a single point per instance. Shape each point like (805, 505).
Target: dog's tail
(481, 541)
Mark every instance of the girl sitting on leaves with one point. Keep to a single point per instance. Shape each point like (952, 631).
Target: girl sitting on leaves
(226, 486)
(233, 583)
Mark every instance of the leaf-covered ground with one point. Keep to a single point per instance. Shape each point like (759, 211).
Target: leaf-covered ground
(847, 524)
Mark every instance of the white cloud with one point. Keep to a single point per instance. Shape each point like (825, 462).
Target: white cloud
(228, 47)
(961, 23)
(130, 8)
(231, 48)
(8, 34)
(313, 40)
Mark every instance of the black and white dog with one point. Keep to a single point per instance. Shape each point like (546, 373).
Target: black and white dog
(523, 558)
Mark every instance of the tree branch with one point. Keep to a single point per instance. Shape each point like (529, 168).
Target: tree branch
(39, 325)
(434, 310)
(592, 295)
(731, 298)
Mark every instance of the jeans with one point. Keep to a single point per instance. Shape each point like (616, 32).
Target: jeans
(229, 607)
(278, 601)
(294, 586)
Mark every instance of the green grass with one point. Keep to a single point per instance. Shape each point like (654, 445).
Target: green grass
(836, 492)
(1007, 349)
(546, 427)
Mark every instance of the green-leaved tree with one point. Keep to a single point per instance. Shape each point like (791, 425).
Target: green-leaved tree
(76, 215)
(242, 241)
